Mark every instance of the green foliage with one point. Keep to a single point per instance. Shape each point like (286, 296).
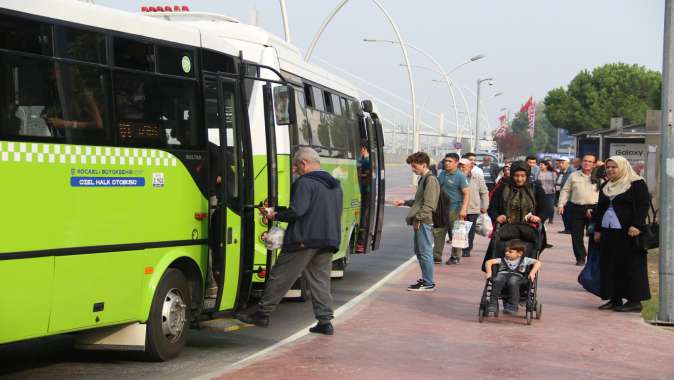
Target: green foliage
(612, 90)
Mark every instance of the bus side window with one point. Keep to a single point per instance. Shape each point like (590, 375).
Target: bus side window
(63, 101)
(301, 131)
(156, 111)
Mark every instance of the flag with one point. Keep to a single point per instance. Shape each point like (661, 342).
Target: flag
(503, 126)
(530, 108)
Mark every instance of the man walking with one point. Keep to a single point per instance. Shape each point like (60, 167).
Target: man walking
(490, 171)
(532, 162)
(582, 194)
(420, 217)
(565, 170)
(454, 183)
(478, 200)
(312, 236)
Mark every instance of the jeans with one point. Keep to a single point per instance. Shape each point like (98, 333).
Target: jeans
(471, 235)
(513, 281)
(423, 249)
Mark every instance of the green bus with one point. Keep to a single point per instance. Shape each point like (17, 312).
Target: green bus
(135, 151)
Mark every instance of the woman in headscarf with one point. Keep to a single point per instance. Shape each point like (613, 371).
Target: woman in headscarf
(620, 216)
(518, 199)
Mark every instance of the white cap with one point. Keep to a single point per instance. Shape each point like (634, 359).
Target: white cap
(464, 161)
(565, 159)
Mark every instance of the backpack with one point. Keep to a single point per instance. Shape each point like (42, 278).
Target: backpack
(441, 211)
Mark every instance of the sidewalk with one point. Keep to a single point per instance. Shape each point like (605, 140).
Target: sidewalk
(396, 334)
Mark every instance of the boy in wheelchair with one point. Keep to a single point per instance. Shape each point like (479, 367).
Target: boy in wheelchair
(512, 271)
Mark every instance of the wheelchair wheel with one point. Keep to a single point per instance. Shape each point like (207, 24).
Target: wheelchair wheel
(529, 316)
(539, 310)
(480, 314)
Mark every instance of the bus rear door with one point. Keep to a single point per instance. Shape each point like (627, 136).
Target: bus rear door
(372, 177)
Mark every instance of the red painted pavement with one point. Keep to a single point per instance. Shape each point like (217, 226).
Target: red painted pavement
(396, 334)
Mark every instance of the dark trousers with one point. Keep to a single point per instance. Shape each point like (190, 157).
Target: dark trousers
(490, 186)
(549, 209)
(513, 281)
(578, 222)
(471, 234)
(315, 265)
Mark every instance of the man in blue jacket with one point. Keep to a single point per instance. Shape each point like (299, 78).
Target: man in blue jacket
(313, 235)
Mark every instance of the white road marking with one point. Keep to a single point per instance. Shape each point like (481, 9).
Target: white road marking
(305, 331)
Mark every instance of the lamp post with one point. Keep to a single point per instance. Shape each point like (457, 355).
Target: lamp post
(477, 113)
(284, 16)
(332, 15)
(439, 69)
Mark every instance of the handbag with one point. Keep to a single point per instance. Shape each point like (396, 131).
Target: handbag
(650, 232)
(589, 277)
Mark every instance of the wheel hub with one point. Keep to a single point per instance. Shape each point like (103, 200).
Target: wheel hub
(173, 315)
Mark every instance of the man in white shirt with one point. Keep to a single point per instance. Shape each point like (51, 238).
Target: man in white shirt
(582, 194)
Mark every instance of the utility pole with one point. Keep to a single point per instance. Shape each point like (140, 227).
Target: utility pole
(666, 310)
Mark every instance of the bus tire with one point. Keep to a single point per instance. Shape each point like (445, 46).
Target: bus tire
(169, 317)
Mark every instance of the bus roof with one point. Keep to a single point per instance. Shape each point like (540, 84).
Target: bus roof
(202, 29)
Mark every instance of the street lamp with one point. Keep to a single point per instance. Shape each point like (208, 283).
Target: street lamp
(477, 113)
(473, 59)
(327, 20)
(449, 87)
(440, 70)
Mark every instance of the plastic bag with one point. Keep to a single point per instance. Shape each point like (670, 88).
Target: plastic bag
(483, 225)
(460, 231)
(274, 238)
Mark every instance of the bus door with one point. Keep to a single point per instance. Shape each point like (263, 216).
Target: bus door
(372, 181)
(223, 120)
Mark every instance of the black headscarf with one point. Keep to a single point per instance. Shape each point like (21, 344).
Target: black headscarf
(518, 166)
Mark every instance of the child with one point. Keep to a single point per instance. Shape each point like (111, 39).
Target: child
(511, 272)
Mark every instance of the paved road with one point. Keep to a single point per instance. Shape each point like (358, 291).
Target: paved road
(207, 351)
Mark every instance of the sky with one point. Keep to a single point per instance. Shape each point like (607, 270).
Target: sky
(530, 46)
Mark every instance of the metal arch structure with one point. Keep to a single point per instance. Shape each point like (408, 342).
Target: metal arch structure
(327, 21)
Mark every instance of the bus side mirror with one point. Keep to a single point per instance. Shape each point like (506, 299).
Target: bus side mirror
(367, 106)
(284, 105)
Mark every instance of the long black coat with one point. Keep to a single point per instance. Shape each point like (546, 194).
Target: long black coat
(623, 266)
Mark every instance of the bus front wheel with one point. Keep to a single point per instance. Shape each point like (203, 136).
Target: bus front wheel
(169, 317)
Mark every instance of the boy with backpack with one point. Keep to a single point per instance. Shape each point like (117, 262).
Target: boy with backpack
(420, 217)
(455, 184)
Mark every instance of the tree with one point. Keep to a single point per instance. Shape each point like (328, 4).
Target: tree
(612, 90)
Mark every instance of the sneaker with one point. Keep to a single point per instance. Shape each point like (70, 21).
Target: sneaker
(465, 254)
(510, 309)
(437, 261)
(548, 245)
(419, 282)
(452, 261)
(323, 328)
(421, 287)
